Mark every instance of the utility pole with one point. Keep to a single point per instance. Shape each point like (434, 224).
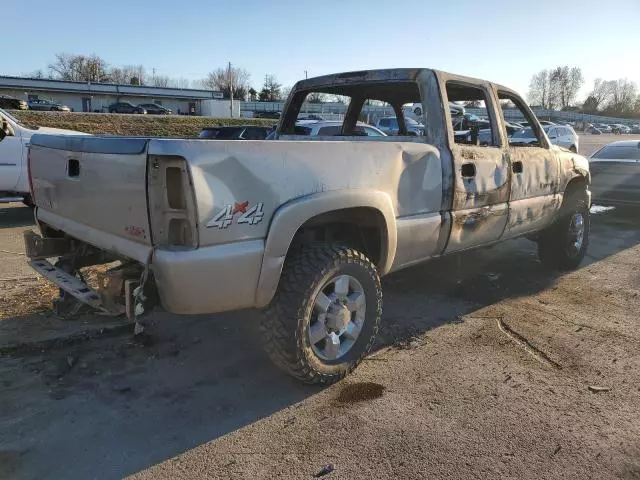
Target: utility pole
(230, 90)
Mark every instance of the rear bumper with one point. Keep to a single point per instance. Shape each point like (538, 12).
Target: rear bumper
(208, 279)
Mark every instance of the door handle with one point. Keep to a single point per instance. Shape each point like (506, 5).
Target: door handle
(517, 167)
(468, 170)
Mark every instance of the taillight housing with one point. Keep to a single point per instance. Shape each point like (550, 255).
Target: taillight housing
(172, 209)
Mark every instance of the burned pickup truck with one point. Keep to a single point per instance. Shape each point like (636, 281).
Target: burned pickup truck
(303, 227)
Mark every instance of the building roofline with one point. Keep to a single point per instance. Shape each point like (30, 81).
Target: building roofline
(7, 81)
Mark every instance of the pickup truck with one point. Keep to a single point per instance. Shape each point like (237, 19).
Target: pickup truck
(14, 144)
(302, 227)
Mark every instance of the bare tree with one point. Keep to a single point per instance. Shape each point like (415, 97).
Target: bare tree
(317, 97)
(160, 81)
(473, 104)
(598, 96)
(540, 89)
(128, 75)
(623, 96)
(224, 79)
(79, 68)
(555, 88)
(565, 83)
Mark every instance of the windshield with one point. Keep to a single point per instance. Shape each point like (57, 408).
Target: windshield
(619, 152)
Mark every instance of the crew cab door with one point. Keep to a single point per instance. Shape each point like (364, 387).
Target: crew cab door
(535, 173)
(480, 194)
(11, 152)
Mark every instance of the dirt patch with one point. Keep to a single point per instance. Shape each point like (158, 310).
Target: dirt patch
(35, 298)
(360, 392)
(136, 125)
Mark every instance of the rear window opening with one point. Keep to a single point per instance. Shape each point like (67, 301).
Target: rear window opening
(356, 110)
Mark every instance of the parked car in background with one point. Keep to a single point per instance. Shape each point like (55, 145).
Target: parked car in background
(126, 107)
(332, 128)
(311, 117)
(593, 130)
(236, 132)
(273, 115)
(15, 137)
(635, 129)
(48, 105)
(546, 122)
(615, 173)
(604, 128)
(12, 103)
(155, 109)
(389, 125)
(558, 135)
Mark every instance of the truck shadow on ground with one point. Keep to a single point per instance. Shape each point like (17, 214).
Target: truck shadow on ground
(128, 405)
(18, 216)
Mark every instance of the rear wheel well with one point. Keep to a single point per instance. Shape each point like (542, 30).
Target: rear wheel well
(361, 228)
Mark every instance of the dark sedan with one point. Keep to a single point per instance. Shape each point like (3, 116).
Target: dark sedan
(239, 132)
(155, 109)
(125, 107)
(615, 174)
(10, 103)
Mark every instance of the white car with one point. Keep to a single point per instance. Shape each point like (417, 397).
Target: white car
(332, 127)
(560, 135)
(14, 145)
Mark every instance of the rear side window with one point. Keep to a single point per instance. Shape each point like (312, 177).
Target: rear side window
(619, 152)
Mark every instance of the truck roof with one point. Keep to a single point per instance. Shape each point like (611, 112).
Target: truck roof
(381, 75)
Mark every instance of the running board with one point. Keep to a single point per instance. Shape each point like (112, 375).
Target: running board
(68, 283)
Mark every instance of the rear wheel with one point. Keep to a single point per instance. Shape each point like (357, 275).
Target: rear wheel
(325, 314)
(564, 244)
(573, 149)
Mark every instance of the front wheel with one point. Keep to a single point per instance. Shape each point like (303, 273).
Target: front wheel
(325, 314)
(573, 149)
(564, 244)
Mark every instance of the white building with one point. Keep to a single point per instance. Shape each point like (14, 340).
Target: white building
(96, 97)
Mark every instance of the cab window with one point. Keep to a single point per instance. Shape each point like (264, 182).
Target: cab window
(509, 103)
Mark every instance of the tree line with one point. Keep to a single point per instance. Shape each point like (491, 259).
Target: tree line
(94, 69)
(557, 89)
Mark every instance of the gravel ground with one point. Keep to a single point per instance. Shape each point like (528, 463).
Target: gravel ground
(487, 366)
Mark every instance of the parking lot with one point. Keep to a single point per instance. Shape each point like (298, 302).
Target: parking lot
(487, 366)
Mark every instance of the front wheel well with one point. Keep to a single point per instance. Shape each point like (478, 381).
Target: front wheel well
(361, 228)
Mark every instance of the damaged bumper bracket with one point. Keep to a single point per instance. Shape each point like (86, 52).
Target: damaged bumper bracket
(70, 284)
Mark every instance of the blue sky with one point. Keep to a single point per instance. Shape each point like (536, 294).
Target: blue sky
(503, 41)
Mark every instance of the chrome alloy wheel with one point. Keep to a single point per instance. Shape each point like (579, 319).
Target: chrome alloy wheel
(337, 318)
(576, 234)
